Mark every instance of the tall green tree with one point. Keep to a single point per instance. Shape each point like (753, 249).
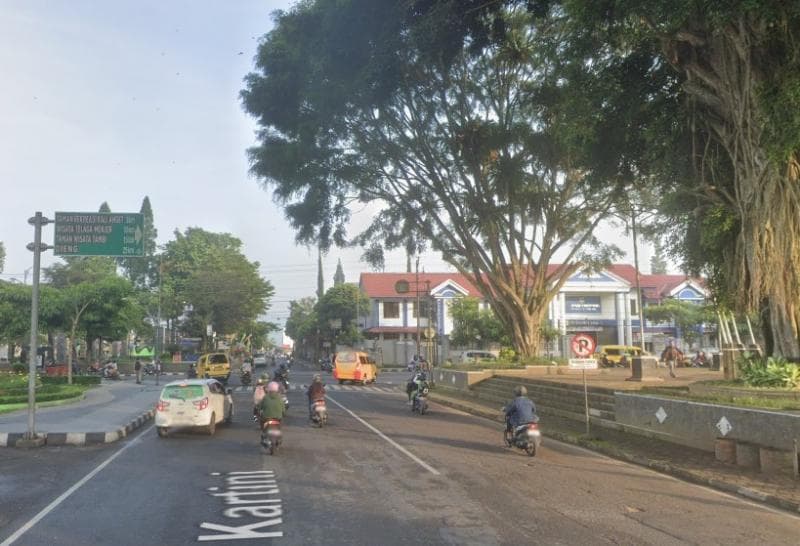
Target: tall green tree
(728, 148)
(456, 152)
(658, 264)
(473, 326)
(2, 256)
(342, 304)
(207, 277)
(142, 271)
(302, 325)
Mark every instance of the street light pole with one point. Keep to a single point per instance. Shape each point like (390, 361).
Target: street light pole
(36, 247)
(638, 280)
(416, 285)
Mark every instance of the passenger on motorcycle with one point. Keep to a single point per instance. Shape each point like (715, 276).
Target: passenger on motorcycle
(271, 406)
(416, 384)
(316, 391)
(520, 411)
(258, 394)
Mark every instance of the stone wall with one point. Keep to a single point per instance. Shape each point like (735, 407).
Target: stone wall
(700, 425)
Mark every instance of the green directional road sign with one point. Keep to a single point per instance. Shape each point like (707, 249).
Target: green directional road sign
(99, 234)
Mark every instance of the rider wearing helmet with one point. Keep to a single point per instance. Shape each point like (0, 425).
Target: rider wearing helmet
(258, 394)
(281, 374)
(316, 391)
(519, 411)
(271, 406)
(415, 384)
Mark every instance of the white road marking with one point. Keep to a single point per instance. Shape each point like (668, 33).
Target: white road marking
(400, 448)
(66, 494)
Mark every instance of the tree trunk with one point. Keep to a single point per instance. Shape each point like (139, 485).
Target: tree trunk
(725, 74)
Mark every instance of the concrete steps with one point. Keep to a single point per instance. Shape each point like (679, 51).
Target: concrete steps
(551, 398)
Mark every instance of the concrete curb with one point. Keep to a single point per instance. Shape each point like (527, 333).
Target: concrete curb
(10, 439)
(664, 468)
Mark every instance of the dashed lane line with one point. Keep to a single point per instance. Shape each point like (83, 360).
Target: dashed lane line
(394, 444)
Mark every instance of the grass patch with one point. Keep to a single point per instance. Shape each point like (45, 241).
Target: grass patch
(8, 408)
(755, 402)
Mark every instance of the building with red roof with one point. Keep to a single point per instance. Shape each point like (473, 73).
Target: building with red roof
(602, 305)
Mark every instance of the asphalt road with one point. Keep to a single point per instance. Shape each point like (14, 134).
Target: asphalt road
(375, 475)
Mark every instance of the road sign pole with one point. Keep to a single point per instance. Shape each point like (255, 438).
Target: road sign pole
(586, 400)
(33, 350)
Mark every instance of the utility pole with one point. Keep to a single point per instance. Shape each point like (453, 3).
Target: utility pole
(416, 285)
(37, 247)
(638, 280)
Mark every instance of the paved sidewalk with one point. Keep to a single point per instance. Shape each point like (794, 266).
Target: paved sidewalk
(106, 414)
(693, 465)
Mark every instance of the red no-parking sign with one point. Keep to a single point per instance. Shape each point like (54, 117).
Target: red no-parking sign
(583, 345)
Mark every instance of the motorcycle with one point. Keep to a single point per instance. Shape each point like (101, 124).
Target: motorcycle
(527, 437)
(271, 435)
(319, 413)
(149, 369)
(246, 378)
(419, 404)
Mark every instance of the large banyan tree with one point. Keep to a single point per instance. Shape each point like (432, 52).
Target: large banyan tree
(738, 123)
(446, 124)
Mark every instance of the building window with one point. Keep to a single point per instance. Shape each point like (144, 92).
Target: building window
(634, 310)
(391, 309)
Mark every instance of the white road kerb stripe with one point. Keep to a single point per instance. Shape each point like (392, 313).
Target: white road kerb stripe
(400, 448)
(61, 498)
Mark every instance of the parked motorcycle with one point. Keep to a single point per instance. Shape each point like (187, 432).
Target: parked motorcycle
(319, 413)
(527, 437)
(419, 404)
(271, 435)
(149, 369)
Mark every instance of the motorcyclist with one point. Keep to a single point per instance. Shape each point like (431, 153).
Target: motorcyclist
(258, 394)
(271, 406)
(191, 373)
(416, 384)
(281, 375)
(520, 411)
(316, 391)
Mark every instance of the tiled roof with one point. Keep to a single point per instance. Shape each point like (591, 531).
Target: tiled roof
(382, 285)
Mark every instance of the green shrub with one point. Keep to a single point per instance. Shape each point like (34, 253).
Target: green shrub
(76, 380)
(768, 372)
(18, 368)
(507, 353)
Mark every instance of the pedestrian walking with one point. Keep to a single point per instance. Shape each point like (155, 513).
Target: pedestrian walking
(670, 357)
(137, 367)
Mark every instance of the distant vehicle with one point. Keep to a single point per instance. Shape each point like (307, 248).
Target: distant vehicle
(354, 366)
(476, 356)
(214, 365)
(193, 403)
(611, 355)
(259, 359)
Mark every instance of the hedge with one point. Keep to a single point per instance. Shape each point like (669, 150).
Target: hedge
(76, 379)
(67, 391)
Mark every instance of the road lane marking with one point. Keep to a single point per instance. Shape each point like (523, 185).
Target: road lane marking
(66, 494)
(400, 448)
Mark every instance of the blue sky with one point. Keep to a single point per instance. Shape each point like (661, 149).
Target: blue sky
(112, 101)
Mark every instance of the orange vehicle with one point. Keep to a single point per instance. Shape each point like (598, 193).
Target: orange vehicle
(354, 366)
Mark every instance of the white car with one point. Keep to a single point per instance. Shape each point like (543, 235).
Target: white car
(193, 403)
(259, 359)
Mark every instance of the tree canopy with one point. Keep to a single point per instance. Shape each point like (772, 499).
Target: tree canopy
(206, 276)
(451, 149)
